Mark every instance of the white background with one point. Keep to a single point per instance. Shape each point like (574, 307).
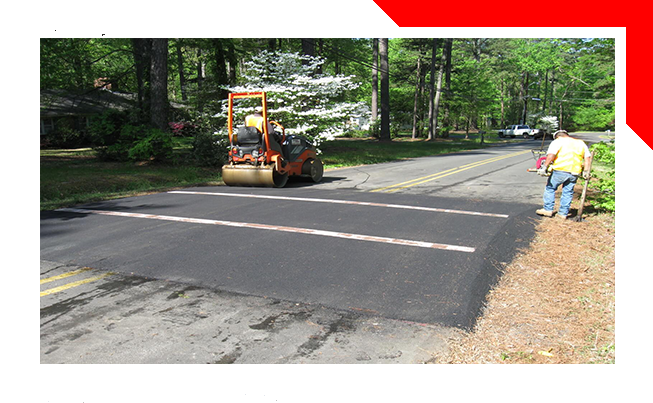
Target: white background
(251, 15)
(266, 383)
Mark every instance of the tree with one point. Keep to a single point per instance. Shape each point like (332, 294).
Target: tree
(438, 93)
(375, 79)
(142, 61)
(419, 84)
(385, 90)
(305, 103)
(180, 70)
(432, 111)
(220, 67)
(159, 84)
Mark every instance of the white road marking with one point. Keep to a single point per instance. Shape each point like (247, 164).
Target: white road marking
(307, 231)
(336, 201)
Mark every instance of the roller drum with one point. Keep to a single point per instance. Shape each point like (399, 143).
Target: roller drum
(249, 175)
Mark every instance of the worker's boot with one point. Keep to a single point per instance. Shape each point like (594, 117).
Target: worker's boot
(545, 213)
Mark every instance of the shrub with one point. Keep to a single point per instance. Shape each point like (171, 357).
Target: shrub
(154, 145)
(210, 149)
(116, 136)
(604, 152)
(67, 134)
(65, 137)
(184, 129)
(375, 128)
(105, 129)
(604, 156)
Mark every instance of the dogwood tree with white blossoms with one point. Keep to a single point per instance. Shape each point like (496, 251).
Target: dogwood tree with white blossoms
(304, 102)
(549, 123)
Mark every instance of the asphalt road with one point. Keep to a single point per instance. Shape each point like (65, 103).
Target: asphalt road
(389, 246)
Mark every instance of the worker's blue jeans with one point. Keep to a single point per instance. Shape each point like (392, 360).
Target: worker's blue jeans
(557, 178)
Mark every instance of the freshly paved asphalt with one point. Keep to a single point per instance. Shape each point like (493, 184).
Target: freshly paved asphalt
(390, 280)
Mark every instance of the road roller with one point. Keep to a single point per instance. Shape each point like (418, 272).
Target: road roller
(260, 153)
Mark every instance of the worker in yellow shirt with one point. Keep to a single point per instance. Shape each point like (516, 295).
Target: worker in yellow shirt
(567, 157)
(256, 119)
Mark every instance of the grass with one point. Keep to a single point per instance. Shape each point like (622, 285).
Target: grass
(353, 152)
(72, 177)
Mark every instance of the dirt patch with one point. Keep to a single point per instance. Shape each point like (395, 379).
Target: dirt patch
(555, 303)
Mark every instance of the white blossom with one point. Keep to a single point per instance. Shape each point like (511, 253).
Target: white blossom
(302, 101)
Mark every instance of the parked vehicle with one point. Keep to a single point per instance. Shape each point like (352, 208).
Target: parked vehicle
(514, 131)
(539, 133)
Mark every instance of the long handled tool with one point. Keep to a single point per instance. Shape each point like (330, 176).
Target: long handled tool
(579, 216)
(539, 155)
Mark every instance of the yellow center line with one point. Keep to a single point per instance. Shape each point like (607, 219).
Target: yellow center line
(75, 284)
(442, 174)
(69, 274)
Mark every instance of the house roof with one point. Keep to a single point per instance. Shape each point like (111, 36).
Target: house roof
(58, 103)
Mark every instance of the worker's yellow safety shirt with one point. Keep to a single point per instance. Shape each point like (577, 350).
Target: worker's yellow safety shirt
(255, 120)
(569, 154)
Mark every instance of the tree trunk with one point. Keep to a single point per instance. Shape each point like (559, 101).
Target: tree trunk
(375, 80)
(308, 47)
(503, 106)
(221, 75)
(550, 110)
(159, 84)
(546, 90)
(416, 100)
(200, 81)
(438, 93)
(422, 87)
(232, 59)
(385, 90)
(142, 50)
(521, 97)
(526, 96)
(432, 129)
(320, 52)
(182, 77)
(448, 45)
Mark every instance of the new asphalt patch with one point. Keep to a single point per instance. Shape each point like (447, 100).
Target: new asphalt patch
(392, 280)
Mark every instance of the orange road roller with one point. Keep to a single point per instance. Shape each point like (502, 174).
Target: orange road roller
(260, 153)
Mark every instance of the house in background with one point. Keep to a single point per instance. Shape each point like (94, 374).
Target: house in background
(61, 107)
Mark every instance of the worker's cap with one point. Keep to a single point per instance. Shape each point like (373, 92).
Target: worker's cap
(258, 109)
(560, 132)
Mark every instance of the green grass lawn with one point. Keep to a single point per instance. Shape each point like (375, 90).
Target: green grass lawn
(353, 152)
(71, 177)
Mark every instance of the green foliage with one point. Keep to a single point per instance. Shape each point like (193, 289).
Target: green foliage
(210, 149)
(375, 128)
(153, 144)
(605, 184)
(595, 118)
(75, 63)
(66, 135)
(116, 137)
(357, 134)
(604, 152)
